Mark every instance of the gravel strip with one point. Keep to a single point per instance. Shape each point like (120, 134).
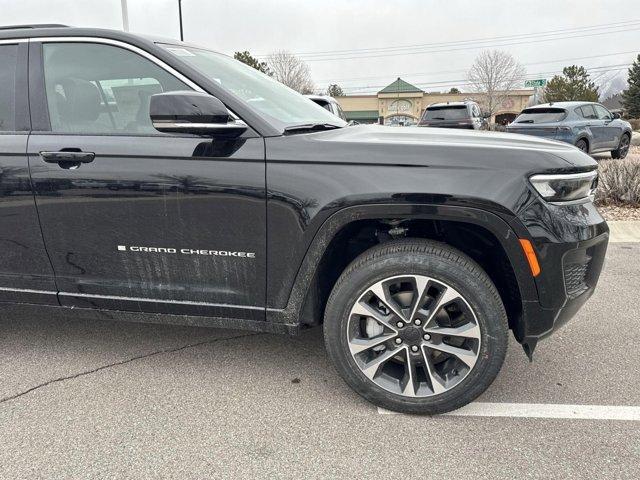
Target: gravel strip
(618, 212)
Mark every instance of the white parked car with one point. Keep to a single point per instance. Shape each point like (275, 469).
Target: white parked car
(328, 103)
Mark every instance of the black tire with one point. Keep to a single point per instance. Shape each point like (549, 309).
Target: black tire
(438, 261)
(623, 147)
(583, 145)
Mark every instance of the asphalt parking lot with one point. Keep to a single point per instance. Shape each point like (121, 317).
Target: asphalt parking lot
(81, 399)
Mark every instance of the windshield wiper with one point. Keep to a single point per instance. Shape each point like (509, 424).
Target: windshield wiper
(437, 118)
(310, 127)
(525, 121)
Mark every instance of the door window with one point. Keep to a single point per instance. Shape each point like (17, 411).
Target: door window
(8, 67)
(588, 112)
(603, 113)
(102, 89)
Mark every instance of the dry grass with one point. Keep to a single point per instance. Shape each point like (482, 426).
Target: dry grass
(619, 182)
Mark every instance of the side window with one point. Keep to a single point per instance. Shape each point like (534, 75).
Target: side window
(475, 111)
(98, 89)
(341, 113)
(588, 112)
(8, 68)
(603, 113)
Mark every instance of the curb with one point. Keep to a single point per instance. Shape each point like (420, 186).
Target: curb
(624, 231)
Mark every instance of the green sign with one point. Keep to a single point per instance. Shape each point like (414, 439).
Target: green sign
(541, 82)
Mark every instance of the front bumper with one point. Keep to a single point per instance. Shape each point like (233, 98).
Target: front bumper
(571, 243)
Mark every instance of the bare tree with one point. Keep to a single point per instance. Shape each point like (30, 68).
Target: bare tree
(291, 71)
(495, 73)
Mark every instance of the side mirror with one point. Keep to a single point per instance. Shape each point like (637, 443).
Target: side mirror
(192, 112)
(616, 115)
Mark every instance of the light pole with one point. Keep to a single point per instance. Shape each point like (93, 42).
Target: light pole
(125, 15)
(180, 17)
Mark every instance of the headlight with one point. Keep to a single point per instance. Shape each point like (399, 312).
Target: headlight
(566, 187)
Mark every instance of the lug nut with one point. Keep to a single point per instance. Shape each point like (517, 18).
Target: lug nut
(414, 348)
(426, 336)
(417, 321)
(398, 341)
(400, 324)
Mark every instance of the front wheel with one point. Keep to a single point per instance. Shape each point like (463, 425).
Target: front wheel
(416, 326)
(623, 147)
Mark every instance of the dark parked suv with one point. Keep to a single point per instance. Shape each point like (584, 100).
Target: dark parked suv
(148, 181)
(465, 115)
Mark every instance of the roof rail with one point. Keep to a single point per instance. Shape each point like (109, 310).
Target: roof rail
(37, 25)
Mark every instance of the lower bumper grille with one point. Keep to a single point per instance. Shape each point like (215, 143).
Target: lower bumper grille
(575, 279)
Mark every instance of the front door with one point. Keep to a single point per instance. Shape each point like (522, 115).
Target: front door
(611, 130)
(25, 270)
(134, 219)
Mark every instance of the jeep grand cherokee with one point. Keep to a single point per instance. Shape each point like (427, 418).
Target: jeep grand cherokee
(123, 158)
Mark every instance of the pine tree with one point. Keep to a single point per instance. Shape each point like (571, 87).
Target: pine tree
(631, 96)
(248, 59)
(573, 85)
(335, 90)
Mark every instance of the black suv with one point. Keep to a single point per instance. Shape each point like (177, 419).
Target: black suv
(148, 181)
(465, 115)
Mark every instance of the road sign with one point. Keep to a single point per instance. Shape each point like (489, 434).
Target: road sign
(541, 82)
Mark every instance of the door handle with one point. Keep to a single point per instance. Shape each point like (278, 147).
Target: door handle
(69, 156)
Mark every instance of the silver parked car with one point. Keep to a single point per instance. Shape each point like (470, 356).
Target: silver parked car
(587, 125)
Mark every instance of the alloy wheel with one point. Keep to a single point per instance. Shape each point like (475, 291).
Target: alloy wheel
(413, 335)
(623, 148)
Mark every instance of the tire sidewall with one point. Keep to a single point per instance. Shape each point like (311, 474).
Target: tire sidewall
(468, 279)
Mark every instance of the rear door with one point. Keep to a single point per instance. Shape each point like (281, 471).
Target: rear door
(596, 126)
(25, 270)
(134, 219)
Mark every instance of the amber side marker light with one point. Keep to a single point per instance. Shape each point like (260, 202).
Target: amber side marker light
(531, 256)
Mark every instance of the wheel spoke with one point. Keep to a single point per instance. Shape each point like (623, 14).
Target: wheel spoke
(380, 291)
(437, 384)
(445, 297)
(370, 369)
(421, 286)
(469, 330)
(466, 356)
(410, 389)
(358, 345)
(365, 310)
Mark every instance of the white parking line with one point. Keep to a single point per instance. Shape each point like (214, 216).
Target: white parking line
(543, 410)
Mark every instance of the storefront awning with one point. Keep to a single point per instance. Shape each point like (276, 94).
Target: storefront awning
(362, 115)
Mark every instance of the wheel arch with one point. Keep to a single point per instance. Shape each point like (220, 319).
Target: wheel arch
(586, 138)
(352, 230)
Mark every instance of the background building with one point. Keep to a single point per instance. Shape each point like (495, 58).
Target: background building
(401, 103)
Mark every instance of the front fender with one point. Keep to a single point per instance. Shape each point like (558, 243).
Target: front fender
(506, 231)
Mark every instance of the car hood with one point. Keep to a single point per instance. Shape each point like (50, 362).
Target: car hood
(469, 143)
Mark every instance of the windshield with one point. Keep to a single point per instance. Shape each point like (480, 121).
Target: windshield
(541, 115)
(281, 105)
(453, 112)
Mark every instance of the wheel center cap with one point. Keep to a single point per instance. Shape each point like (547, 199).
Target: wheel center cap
(411, 335)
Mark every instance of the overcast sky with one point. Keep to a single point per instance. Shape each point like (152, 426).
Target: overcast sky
(365, 44)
